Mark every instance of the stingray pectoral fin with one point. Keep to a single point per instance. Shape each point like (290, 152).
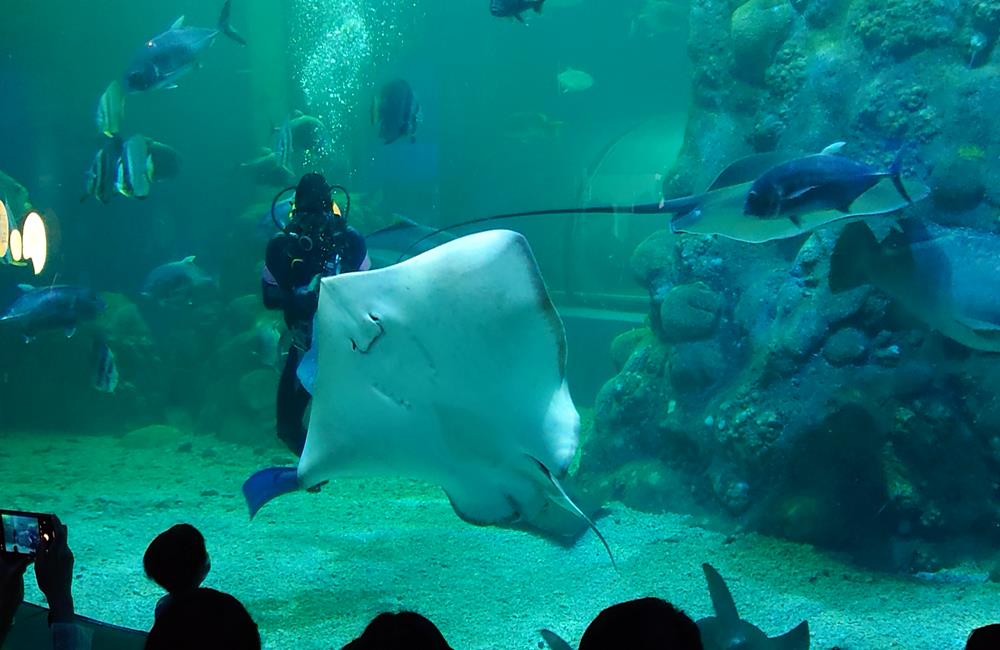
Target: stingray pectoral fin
(722, 600)
(268, 484)
(796, 638)
(306, 372)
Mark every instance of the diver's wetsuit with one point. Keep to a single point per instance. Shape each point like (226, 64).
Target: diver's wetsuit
(288, 272)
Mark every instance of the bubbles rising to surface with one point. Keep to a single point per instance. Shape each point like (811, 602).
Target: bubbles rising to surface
(334, 46)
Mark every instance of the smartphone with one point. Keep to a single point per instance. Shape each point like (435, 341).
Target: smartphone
(23, 532)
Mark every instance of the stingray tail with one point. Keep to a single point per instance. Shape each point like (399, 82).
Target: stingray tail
(563, 500)
(268, 484)
(895, 169)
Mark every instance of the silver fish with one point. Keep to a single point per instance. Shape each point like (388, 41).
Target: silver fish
(165, 58)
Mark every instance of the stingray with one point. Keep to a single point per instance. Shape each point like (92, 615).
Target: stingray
(449, 367)
(727, 631)
(724, 631)
(719, 209)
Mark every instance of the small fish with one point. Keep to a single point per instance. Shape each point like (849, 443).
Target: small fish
(111, 110)
(134, 168)
(284, 147)
(100, 178)
(514, 8)
(105, 369)
(531, 126)
(267, 171)
(574, 81)
(50, 308)
(165, 58)
(823, 181)
(658, 17)
(396, 112)
(174, 281)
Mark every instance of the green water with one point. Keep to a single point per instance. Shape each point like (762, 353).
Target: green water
(193, 415)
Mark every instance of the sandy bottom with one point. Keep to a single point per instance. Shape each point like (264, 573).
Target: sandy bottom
(314, 568)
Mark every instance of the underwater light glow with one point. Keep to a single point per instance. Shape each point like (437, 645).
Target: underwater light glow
(35, 243)
(15, 245)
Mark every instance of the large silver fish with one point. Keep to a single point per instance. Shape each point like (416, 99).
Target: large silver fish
(165, 58)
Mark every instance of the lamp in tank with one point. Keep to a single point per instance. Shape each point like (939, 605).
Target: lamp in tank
(35, 245)
(29, 244)
(15, 247)
(4, 231)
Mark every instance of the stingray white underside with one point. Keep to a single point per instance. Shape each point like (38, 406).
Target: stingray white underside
(450, 368)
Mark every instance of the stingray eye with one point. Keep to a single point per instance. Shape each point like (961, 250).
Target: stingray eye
(354, 346)
(375, 318)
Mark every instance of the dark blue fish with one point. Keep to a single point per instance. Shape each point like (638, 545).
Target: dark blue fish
(105, 368)
(165, 58)
(176, 280)
(57, 307)
(514, 8)
(396, 112)
(824, 181)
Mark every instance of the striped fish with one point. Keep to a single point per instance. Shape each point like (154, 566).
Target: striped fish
(110, 110)
(105, 368)
(284, 147)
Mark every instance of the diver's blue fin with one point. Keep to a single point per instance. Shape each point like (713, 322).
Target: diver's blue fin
(268, 484)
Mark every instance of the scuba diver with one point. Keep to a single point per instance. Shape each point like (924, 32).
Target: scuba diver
(315, 243)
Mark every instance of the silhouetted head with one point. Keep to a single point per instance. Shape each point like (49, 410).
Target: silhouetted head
(176, 559)
(399, 631)
(204, 619)
(984, 638)
(314, 208)
(643, 624)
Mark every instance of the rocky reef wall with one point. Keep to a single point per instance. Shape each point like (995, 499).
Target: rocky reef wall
(754, 392)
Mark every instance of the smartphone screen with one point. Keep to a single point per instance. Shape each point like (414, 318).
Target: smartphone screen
(23, 531)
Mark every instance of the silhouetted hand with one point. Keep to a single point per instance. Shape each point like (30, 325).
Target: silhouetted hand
(12, 568)
(54, 573)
